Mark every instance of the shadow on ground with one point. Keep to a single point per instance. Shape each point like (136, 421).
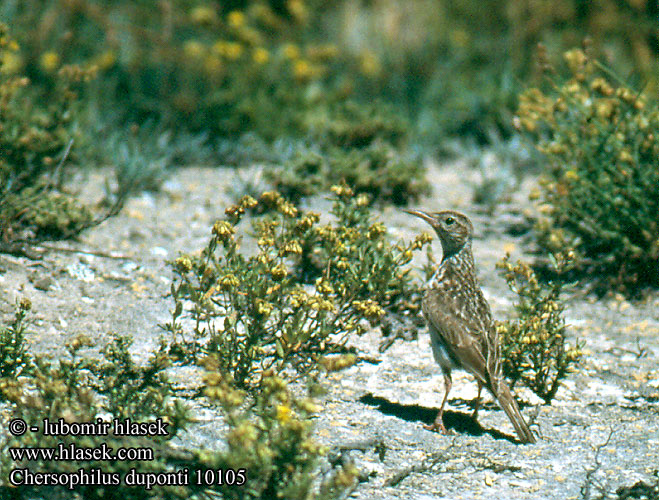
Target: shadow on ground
(459, 422)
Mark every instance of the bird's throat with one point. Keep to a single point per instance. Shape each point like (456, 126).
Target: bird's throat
(460, 262)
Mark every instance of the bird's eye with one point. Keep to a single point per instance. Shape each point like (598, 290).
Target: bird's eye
(449, 221)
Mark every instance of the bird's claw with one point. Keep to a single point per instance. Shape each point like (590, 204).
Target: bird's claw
(436, 427)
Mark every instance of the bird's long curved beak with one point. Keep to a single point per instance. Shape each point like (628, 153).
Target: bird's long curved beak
(420, 213)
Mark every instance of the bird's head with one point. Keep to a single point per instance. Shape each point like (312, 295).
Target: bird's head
(453, 228)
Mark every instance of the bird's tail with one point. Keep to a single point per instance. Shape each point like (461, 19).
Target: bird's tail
(509, 405)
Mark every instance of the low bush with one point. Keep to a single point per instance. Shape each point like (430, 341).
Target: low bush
(35, 138)
(14, 358)
(270, 438)
(298, 297)
(534, 349)
(379, 170)
(76, 389)
(600, 193)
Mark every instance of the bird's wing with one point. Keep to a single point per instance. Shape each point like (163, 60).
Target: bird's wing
(471, 342)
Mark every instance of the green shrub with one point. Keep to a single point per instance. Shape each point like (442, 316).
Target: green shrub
(71, 390)
(270, 438)
(14, 358)
(362, 145)
(34, 133)
(349, 124)
(378, 170)
(302, 292)
(600, 193)
(135, 391)
(534, 350)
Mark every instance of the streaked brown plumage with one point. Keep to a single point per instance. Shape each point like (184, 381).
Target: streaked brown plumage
(462, 332)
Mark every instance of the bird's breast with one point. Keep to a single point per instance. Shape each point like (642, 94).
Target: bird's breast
(442, 352)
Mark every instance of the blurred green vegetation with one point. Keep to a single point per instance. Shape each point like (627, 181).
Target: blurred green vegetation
(227, 68)
(325, 91)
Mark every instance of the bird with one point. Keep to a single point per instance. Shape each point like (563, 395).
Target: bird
(462, 332)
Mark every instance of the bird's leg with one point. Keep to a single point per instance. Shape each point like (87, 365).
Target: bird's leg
(474, 415)
(438, 424)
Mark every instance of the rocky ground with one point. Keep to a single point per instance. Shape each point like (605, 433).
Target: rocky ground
(601, 432)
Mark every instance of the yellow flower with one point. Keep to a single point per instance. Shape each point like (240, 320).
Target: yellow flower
(105, 60)
(263, 308)
(219, 47)
(236, 19)
(370, 64)
(297, 9)
(10, 62)
(625, 156)
(264, 259)
(271, 197)
(266, 241)
(229, 281)
(184, 264)
(421, 240)
(203, 15)
(363, 200)
(223, 229)
(602, 86)
(49, 61)
(342, 191)
(248, 202)
(576, 59)
(260, 55)
(323, 286)
(299, 298)
(291, 51)
(287, 208)
(302, 70)
(8, 44)
(279, 272)
(605, 108)
(284, 414)
(626, 95)
(307, 221)
(193, 49)
(375, 230)
(234, 50)
(230, 50)
(293, 247)
(571, 175)
(320, 304)
(369, 308)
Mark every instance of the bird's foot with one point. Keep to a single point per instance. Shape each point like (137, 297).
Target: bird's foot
(436, 427)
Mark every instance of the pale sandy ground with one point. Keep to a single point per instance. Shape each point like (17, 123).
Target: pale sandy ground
(381, 405)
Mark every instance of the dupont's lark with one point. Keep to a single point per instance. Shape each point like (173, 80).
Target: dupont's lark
(462, 332)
